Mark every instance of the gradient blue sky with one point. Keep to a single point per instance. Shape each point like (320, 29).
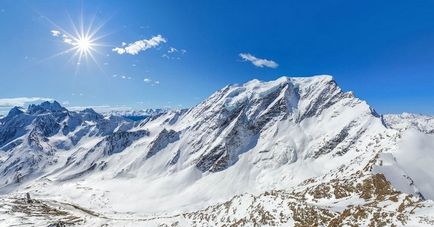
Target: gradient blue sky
(381, 50)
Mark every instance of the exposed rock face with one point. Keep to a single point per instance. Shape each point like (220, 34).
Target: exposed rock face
(163, 139)
(118, 141)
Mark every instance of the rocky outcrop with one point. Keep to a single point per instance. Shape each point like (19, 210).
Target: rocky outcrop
(163, 139)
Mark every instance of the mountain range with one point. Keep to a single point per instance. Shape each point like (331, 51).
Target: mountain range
(296, 151)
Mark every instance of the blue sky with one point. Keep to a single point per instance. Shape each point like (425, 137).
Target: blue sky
(381, 50)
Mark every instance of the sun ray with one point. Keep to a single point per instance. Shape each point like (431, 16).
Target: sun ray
(83, 38)
(74, 27)
(98, 27)
(72, 49)
(81, 23)
(83, 43)
(90, 26)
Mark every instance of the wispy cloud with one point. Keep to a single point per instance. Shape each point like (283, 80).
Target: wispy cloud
(258, 62)
(151, 82)
(173, 53)
(65, 38)
(55, 33)
(122, 77)
(140, 45)
(21, 101)
(172, 50)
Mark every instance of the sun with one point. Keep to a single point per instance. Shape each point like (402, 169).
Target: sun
(83, 40)
(84, 44)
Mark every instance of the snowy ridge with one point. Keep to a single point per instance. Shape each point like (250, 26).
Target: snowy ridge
(255, 153)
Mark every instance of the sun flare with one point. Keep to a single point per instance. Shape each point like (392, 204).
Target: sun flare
(84, 44)
(82, 40)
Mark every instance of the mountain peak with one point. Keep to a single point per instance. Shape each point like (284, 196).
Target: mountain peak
(91, 114)
(314, 78)
(15, 111)
(46, 106)
(286, 79)
(321, 88)
(89, 110)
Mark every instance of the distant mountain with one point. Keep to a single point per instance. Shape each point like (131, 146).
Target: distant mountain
(29, 139)
(291, 152)
(136, 115)
(407, 121)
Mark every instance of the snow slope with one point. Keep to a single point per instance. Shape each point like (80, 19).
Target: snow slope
(302, 137)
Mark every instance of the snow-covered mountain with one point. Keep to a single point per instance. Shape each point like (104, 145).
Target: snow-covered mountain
(405, 121)
(294, 151)
(31, 139)
(136, 115)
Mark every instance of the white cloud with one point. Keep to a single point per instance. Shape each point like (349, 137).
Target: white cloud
(258, 62)
(173, 53)
(55, 33)
(141, 45)
(172, 50)
(64, 37)
(21, 101)
(124, 77)
(68, 41)
(151, 82)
